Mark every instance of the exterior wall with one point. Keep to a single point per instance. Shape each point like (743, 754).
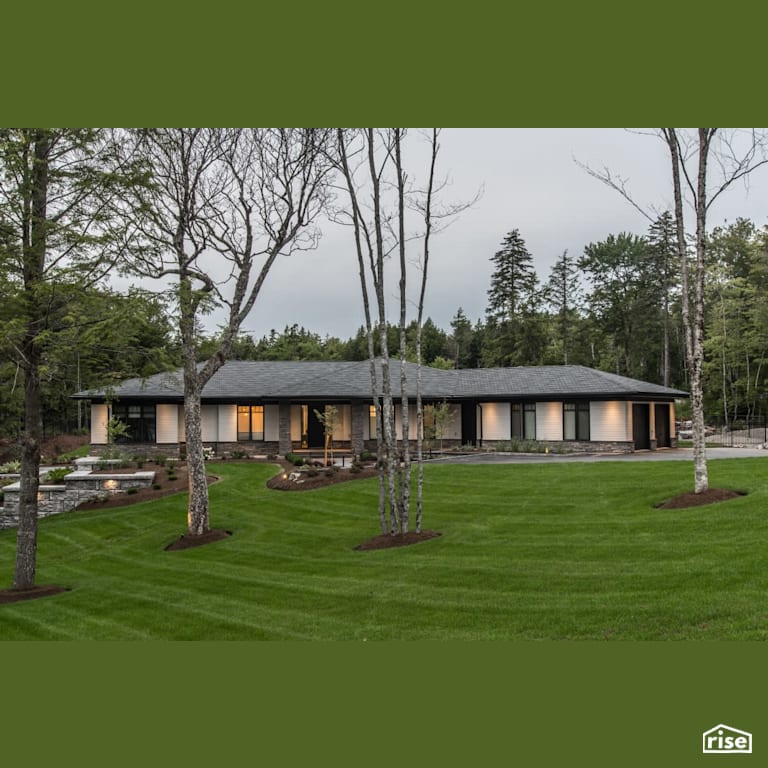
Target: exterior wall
(412, 434)
(343, 430)
(210, 419)
(549, 421)
(227, 426)
(610, 426)
(167, 423)
(610, 421)
(99, 419)
(272, 423)
(497, 421)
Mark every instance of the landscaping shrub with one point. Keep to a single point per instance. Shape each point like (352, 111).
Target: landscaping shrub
(55, 476)
(295, 459)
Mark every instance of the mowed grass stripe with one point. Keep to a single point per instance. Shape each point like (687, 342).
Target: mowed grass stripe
(528, 551)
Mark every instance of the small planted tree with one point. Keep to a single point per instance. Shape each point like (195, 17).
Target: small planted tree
(329, 419)
(437, 417)
(116, 429)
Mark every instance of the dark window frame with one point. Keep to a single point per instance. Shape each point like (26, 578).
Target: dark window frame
(522, 420)
(141, 420)
(251, 435)
(576, 428)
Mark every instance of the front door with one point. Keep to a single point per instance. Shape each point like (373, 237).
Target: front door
(641, 426)
(314, 429)
(662, 426)
(469, 422)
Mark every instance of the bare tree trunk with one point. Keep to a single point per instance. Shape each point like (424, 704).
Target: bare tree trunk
(198, 518)
(360, 232)
(419, 323)
(404, 486)
(29, 481)
(34, 252)
(692, 325)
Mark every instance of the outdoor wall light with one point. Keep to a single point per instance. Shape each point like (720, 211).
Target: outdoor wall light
(109, 485)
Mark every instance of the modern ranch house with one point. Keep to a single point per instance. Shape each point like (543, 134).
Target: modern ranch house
(269, 407)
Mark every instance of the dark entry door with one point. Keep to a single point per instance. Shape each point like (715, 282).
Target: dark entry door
(315, 430)
(662, 426)
(641, 425)
(469, 422)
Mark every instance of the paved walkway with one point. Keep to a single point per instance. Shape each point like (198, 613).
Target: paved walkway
(665, 454)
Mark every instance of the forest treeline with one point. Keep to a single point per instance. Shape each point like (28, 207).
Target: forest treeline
(614, 307)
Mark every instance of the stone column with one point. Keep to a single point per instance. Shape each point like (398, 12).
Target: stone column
(359, 413)
(285, 444)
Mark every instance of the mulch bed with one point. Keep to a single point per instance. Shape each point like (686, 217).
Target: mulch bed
(42, 590)
(187, 541)
(691, 499)
(280, 482)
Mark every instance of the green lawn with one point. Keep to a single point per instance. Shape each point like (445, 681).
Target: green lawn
(558, 551)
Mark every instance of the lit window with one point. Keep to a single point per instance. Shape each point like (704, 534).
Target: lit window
(250, 422)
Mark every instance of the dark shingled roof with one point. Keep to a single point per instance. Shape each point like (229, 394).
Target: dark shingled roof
(271, 380)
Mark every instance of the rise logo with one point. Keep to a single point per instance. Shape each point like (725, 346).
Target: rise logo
(722, 739)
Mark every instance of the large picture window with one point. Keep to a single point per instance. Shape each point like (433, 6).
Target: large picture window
(140, 420)
(250, 422)
(576, 421)
(524, 421)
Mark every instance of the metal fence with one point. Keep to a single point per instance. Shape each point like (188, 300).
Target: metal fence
(747, 431)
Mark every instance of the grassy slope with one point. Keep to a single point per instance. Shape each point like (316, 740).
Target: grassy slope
(528, 551)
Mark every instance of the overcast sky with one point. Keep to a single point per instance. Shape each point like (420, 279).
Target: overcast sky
(531, 182)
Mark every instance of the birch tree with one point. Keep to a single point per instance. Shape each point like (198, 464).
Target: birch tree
(383, 200)
(735, 154)
(224, 204)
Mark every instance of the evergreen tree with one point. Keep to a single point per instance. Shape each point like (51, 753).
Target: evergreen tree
(663, 252)
(514, 333)
(461, 340)
(562, 293)
(623, 302)
(513, 282)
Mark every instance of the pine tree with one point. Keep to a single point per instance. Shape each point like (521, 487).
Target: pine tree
(514, 331)
(513, 282)
(562, 292)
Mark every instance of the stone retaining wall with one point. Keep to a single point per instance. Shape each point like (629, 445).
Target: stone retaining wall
(73, 490)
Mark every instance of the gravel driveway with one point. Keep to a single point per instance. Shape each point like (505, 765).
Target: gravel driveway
(665, 454)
